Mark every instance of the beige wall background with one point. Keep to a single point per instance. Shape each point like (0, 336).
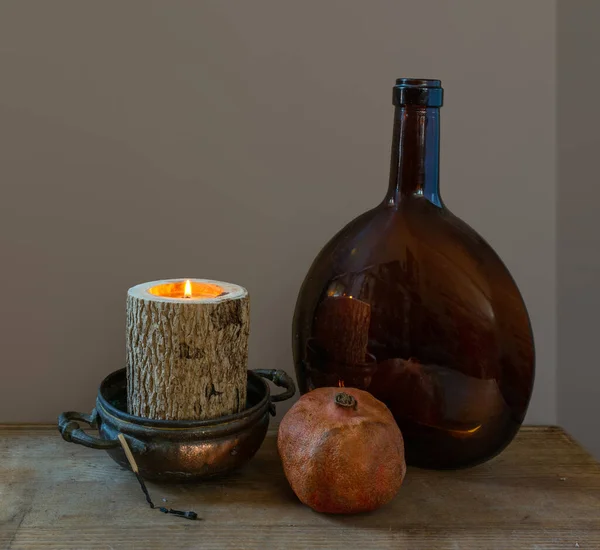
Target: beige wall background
(578, 221)
(231, 140)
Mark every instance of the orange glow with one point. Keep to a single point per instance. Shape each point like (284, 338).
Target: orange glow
(456, 432)
(465, 433)
(188, 290)
(341, 384)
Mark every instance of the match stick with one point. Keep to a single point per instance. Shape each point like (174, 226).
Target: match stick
(135, 468)
(128, 454)
(136, 471)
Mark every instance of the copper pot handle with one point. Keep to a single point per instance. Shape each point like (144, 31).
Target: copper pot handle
(279, 378)
(71, 431)
(69, 428)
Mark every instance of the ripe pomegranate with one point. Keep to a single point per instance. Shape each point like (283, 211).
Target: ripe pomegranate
(342, 451)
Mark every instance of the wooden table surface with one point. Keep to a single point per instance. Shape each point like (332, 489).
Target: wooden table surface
(543, 492)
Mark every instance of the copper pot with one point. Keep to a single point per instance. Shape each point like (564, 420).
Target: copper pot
(178, 450)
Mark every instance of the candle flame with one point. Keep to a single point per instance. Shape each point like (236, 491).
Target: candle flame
(180, 289)
(341, 384)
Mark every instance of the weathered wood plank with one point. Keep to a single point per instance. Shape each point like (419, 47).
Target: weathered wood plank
(543, 492)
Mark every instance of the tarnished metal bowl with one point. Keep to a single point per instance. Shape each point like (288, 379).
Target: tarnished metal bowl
(178, 450)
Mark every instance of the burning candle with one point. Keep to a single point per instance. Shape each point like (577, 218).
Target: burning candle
(188, 288)
(187, 349)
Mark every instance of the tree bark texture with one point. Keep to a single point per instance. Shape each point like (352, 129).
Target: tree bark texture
(186, 359)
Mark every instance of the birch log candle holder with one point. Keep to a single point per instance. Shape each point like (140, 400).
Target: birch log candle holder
(187, 349)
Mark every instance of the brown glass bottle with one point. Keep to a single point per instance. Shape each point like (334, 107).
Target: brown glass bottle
(411, 304)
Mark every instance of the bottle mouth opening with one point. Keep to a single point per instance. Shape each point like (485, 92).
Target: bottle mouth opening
(418, 83)
(418, 91)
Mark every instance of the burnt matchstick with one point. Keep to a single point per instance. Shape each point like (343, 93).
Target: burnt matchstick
(135, 468)
(136, 471)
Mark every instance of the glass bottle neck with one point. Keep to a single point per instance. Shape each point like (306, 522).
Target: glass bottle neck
(415, 161)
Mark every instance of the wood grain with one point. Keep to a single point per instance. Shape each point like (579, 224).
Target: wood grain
(543, 492)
